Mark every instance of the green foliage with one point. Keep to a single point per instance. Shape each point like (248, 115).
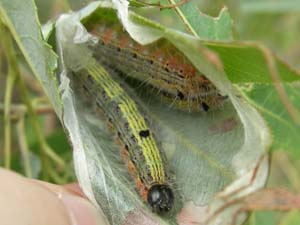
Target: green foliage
(245, 70)
(249, 63)
(186, 137)
(292, 218)
(42, 61)
(246, 62)
(203, 26)
(38, 54)
(285, 131)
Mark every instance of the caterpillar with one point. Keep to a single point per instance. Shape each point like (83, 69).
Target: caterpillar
(167, 71)
(140, 150)
(159, 65)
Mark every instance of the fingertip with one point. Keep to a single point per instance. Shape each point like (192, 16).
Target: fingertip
(23, 202)
(81, 211)
(41, 203)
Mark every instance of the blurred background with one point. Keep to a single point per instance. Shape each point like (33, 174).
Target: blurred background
(40, 136)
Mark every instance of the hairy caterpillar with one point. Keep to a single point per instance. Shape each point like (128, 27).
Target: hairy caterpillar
(140, 150)
(160, 65)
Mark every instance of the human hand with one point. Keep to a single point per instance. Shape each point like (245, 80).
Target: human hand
(27, 201)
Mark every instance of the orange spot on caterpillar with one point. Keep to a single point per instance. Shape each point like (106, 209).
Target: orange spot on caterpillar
(124, 42)
(142, 189)
(131, 167)
(172, 62)
(107, 36)
(163, 67)
(124, 154)
(158, 55)
(143, 160)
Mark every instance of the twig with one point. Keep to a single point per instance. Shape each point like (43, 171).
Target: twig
(10, 81)
(55, 157)
(45, 150)
(283, 96)
(290, 171)
(159, 5)
(24, 147)
(17, 110)
(263, 200)
(57, 179)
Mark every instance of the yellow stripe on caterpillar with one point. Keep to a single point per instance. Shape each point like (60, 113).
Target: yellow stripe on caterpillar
(134, 135)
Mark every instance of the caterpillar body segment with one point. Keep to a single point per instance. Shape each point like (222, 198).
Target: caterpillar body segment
(139, 149)
(159, 65)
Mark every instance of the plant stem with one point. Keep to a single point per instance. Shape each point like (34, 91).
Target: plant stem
(55, 158)
(10, 81)
(24, 147)
(45, 150)
(14, 73)
(36, 127)
(288, 169)
(57, 179)
(17, 110)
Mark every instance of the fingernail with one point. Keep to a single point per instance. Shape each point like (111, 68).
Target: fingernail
(82, 212)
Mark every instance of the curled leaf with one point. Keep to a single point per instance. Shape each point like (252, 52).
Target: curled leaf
(215, 157)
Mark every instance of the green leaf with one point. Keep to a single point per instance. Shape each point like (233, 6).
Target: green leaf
(291, 218)
(203, 26)
(21, 18)
(213, 155)
(243, 61)
(246, 62)
(263, 218)
(285, 131)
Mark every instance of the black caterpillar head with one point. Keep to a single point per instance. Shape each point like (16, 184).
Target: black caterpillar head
(160, 198)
